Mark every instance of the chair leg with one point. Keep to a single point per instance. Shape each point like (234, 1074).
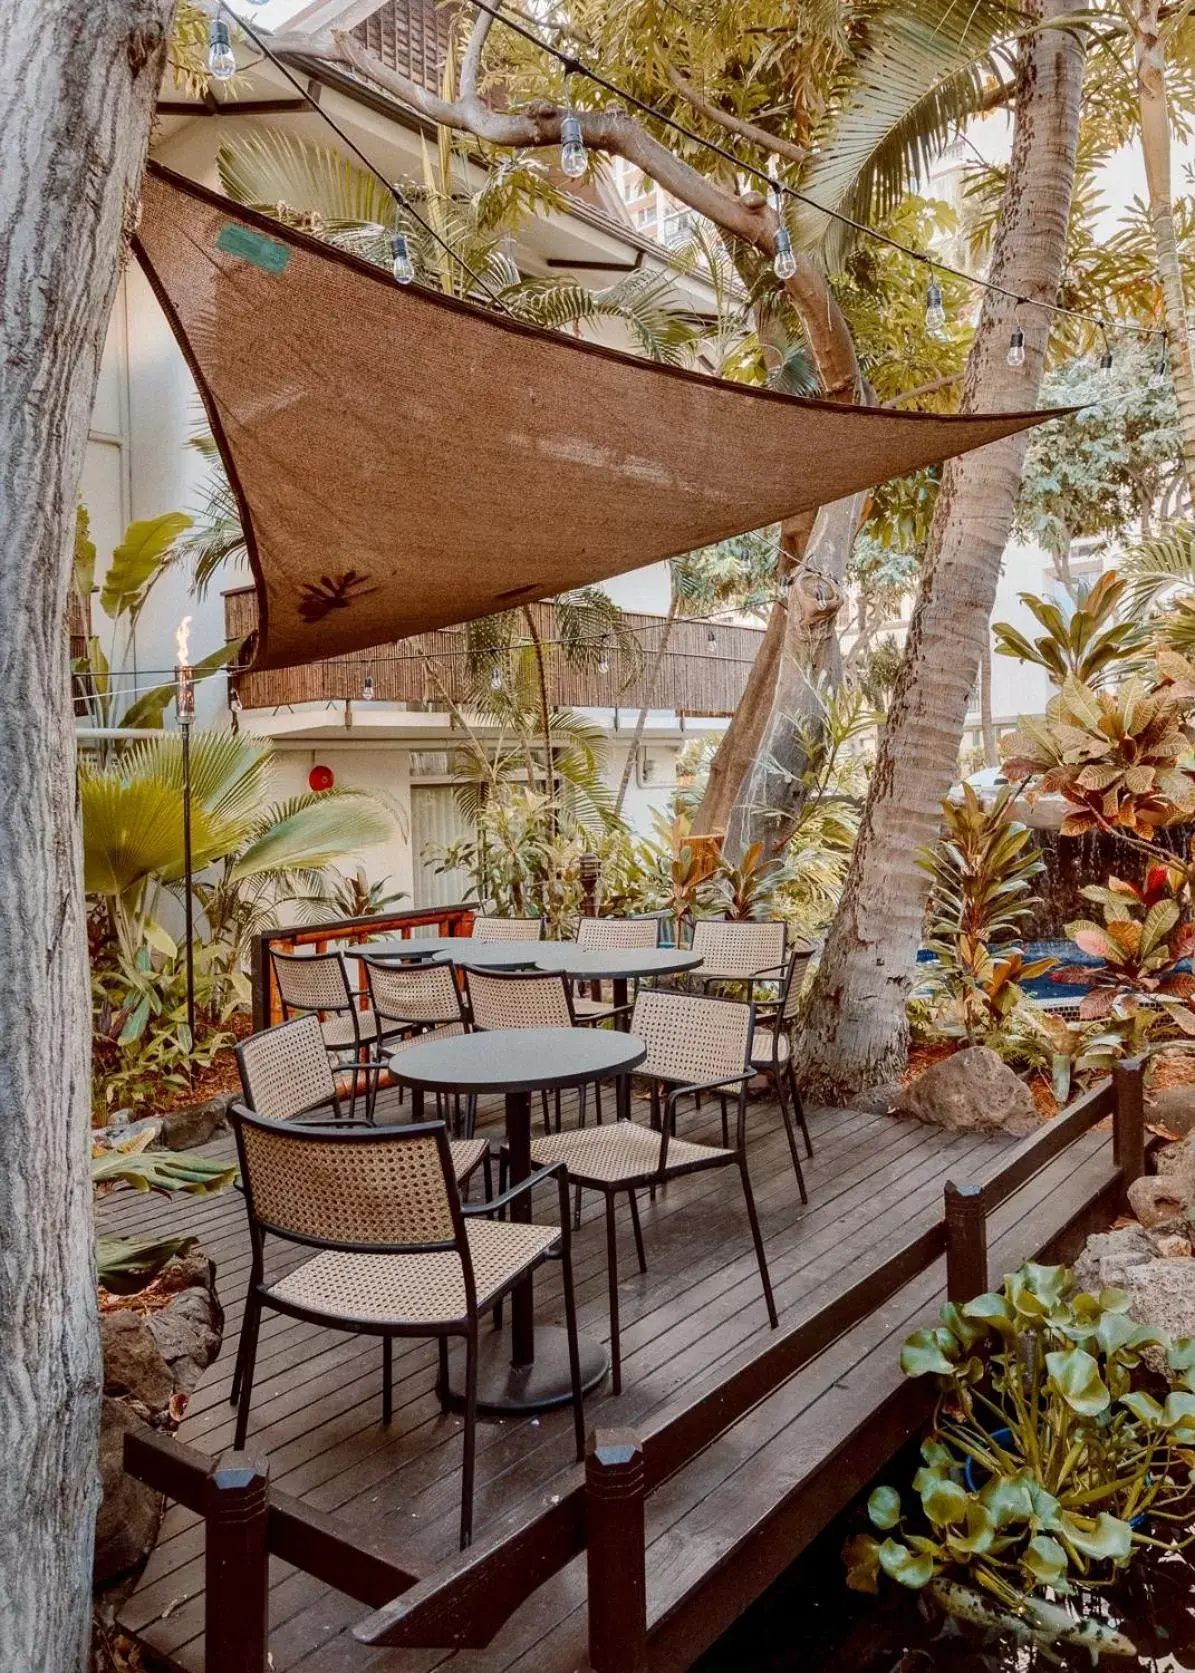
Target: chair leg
(777, 1081)
(574, 1351)
(442, 1374)
(238, 1375)
(725, 1121)
(467, 1462)
(372, 1082)
(547, 1119)
(612, 1275)
(799, 1108)
(638, 1231)
(470, 1115)
(582, 1105)
(249, 1347)
(557, 1109)
(387, 1378)
(597, 1102)
(576, 1207)
(758, 1241)
(487, 1173)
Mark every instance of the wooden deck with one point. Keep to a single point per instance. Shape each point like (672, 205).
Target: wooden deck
(718, 1530)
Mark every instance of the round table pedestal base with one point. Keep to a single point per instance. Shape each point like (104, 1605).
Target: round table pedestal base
(504, 1389)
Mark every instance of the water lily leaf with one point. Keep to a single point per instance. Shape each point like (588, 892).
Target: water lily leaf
(1007, 1498)
(1181, 1354)
(1143, 1407)
(937, 1454)
(899, 1563)
(1115, 1301)
(862, 1558)
(1075, 1375)
(1179, 1415)
(992, 1309)
(944, 1501)
(1046, 1560)
(884, 1507)
(980, 1535)
(966, 1329)
(1114, 1332)
(925, 1353)
(1106, 1539)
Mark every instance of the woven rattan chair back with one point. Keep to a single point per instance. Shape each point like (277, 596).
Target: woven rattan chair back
(691, 1039)
(602, 934)
(738, 950)
(285, 1070)
(312, 982)
(512, 999)
(413, 992)
(794, 982)
(507, 929)
(391, 1189)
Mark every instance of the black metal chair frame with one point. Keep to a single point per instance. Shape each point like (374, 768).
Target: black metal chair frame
(406, 1027)
(258, 1297)
(362, 1060)
(780, 1070)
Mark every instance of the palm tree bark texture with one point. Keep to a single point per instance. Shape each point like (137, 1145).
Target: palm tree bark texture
(855, 1033)
(79, 90)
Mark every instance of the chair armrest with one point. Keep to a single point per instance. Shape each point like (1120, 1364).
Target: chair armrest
(537, 1177)
(709, 1086)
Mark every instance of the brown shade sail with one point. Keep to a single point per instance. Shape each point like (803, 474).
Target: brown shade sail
(404, 461)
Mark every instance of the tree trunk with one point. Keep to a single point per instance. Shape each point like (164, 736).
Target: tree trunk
(649, 687)
(773, 790)
(1155, 144)
(79, 90)
(855, 1033)
(991, 750)
(733, 757)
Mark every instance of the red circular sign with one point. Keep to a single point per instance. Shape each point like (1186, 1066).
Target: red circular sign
(321, 778)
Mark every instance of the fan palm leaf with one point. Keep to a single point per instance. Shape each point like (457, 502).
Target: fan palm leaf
(1155, 566)
(314, 833)
(924, 71)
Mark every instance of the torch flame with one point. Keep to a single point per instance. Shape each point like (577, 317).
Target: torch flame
(182, 642)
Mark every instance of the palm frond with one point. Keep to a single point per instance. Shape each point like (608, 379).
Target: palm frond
(1155, 566)
(921, 75)
(315, 834)
(304, 184)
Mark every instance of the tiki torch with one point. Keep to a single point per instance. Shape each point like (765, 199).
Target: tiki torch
(185, 708)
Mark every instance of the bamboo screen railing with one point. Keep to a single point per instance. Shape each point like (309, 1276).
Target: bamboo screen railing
(693, 679)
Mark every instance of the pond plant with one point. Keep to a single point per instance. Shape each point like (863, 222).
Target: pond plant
(1061, 1444)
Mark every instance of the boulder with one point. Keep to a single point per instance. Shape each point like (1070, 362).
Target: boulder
(1158, 1198)
(188, 1332)
(972, 1092)
(186, 1128)
(1175, 1158)
(1107, 1257)
(133, 1361)
(1172, 1106)
(1162, 1293)
(129, 1514)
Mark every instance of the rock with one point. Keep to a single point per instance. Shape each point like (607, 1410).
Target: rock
(1172, 1246)
(188, 1332)
(1162, 1293)
(130, 1512)
(1107, 1257)
(184, 1129)
(133, 1362)
(973, 1092)
(1173, 1107)
(1175, 1158)
(1157, 1198)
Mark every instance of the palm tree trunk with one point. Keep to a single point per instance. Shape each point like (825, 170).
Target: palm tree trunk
(649, 687)
(733, 757)
(991, 751)
(855, 1034)
(1156, 144)
(80, 86)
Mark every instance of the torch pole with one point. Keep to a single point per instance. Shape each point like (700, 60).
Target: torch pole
(188, 904)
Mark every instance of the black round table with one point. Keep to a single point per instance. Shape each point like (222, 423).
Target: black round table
(517, 1062)
(617, 965)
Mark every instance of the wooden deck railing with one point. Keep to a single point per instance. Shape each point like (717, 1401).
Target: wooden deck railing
(267, 1006)
(692, 679)
(601, 1512)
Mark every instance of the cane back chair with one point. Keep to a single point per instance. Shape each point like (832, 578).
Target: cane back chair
(693, 1043)
(522, 999)
(319, 982)
(773, 1049)
(601, 935)
(507, 929)
(394, 1252)
(286, 1076)
(413, 1002)
(739, 952)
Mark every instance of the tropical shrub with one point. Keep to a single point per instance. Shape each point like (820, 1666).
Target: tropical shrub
(1141, 941)
(1090, 646)
(125, 1265)
(1049, 1461)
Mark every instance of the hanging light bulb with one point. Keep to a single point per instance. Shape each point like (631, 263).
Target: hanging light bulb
(496, 680)
(221, 63)
(784, 263)
(603, 660)
(1106, 357)
(1016, 347)
(234, 701)
(935, 313)
(711, 640)
(367, 687)
(574, 159)
(401, 264)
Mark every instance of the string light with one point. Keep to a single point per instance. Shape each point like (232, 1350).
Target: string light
(496, 680)
(401, 264)
(935, 312)
(573, 157)
(603, 661)
(1161, 371)
(1016, 347)
(784, 263)
(234, 701)
(711, 640)
(367, 686)
(1106, 357)
(221, 61)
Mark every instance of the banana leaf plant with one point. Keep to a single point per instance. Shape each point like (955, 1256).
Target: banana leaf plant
(1049, 1462)
(125, 1265)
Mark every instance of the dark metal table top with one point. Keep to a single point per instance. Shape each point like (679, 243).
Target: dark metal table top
(587, 964)
(517, 1059)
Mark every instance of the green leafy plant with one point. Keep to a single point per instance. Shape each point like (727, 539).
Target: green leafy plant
(1142, 940)
(125, 1265)
(1092, 646)
(747, 887)
(1048, 1460)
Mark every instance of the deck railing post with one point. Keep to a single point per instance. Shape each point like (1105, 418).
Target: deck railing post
(1128, 1120)
(966, 1242)
(615, 1553)
(237, 1566)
